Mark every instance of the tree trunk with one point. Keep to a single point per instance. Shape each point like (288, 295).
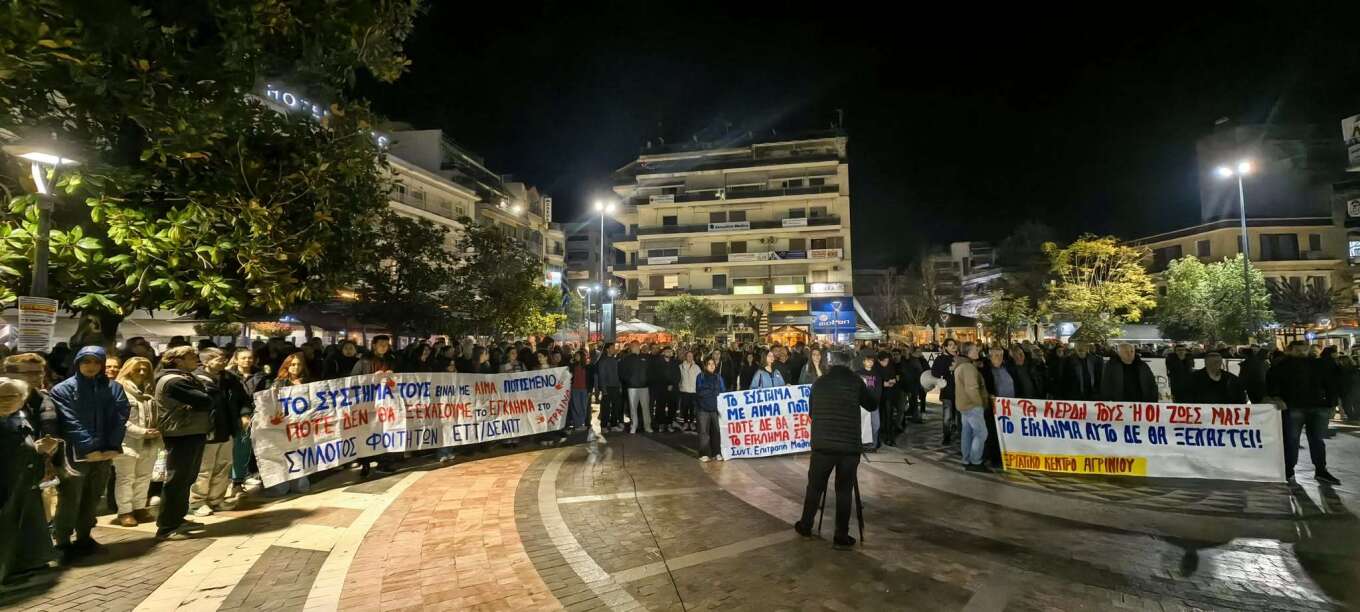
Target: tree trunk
(100, 329)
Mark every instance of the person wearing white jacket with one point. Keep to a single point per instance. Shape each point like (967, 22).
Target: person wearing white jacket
(689, 375)
(141, 445)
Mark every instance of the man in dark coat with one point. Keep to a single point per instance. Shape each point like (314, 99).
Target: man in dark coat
(1128, 378)
(1310, 395)
(1254, 369)
(1213, 384)
(1178, 370)
(93, 413)
(837, 398)
(1028, 382)
(1081, 373)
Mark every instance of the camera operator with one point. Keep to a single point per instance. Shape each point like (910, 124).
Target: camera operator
(836, 442)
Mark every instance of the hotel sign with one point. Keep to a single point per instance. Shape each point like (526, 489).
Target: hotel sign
(318, 110)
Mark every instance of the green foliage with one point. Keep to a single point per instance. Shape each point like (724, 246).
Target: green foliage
(1302, 305)
(1100, 283)
(1027, 270)
(404, 285)
(1205, 302)
(1004, 314)
(272, 329)
(217, 328)
(193, 195)
(498, 288)
(689, 317)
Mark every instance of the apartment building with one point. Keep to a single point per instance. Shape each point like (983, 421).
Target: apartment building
(761, 227)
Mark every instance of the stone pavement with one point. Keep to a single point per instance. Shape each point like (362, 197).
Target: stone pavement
(639, 523)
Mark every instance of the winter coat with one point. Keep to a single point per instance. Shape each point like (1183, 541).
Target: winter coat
(765, 378)
(837, 397)
(141, 417)
(659, 372)
(1304, 382)
(337, 366)
(93, 412)
(1201, 389)
(970, 392)
(1112, 382)
(709, 387)
(184, 407)
(942, 368)
(689, 377)
(633, 371)
(607, 371)
(1178, 376)
(372, 364)
(1079, 383)
(810, 374)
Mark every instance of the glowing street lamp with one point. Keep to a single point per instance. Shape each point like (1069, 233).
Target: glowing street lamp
(1243, 168)
(42, 153)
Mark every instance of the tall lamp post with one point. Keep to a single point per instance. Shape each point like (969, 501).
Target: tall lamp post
(41, 153)
(605, 208)
(585, 317)
(1242, 169)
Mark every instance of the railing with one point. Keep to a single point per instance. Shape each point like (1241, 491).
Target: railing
(730, 194)
(753, 225)
(756, 256)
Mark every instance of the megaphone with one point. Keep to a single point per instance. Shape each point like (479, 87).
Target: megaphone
(930, 383)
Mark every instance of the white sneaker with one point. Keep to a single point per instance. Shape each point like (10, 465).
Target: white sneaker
(633, 430)
(254, 481)
(227, 505)
(719, 458)
(649, 430)
(204, 510)
(703, 459)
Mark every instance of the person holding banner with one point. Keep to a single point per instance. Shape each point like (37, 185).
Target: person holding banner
(834, 407)
(293, 372)
(1128, 378)
(768, 375)
(1214, 385)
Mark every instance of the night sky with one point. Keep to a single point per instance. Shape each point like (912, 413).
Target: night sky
(961, 125)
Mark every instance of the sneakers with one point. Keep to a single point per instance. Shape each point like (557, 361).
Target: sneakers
(1327, 477)
(719, 457)
(843, 543)
(204, 510)
(802, 531)
(703, 459)
(125, 520)
(254, 481)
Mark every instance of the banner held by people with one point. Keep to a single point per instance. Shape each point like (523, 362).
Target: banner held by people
(305, 429)
(765, 422)
(1226, 442)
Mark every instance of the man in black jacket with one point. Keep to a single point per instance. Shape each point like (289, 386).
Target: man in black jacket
(837, 398)
(664, 386)
(913, 364)
(1178, 372)
(185, 417)
(633, 375)
(1128, 378)
(1028, 382)
(1310, 395)
(1081, 374)
(1213, 384)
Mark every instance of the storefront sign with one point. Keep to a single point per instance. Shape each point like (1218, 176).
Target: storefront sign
(787, 289)
(729, 226)
(305, 429)
(1224, 442)
(824, 254)
(828, 287)
(748, 290)
(833, 315)
(37, 323)
(795, 222)
(765, 422)
(1350, 133)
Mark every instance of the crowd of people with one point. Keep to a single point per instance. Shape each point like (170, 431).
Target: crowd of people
(92, 425)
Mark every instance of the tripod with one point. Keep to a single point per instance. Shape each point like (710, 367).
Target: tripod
(859, 511)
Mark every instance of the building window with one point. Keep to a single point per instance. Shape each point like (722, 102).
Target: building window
(817, 181)
(719, 281)
(663, 253)
(655, 282)
(400, 191)
(717, 217)
(418, 196)
(1279, 247)
(1202, 248)
(670, 220)
(736, 215)
(1296, 282)
(738, 246)
(817, 211)
(670, 190)
(1315, 242)
(670, 281)
(793, 183)
(797, 244)
(834, 242)
(1317, 282)
(819, 276)
(1163, 257)
(797, 213)
(718, 249)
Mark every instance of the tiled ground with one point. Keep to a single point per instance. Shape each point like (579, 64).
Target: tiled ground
(640, 524)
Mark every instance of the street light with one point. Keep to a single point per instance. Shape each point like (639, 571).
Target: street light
(604, 208)
(1242, 169)
(41, 153)
(586, 315)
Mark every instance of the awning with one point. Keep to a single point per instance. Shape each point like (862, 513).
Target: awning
(873, 332)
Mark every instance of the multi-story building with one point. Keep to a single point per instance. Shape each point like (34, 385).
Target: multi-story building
(761, 227)
(966, 275)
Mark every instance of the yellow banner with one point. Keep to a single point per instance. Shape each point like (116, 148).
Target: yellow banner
(1077, 464)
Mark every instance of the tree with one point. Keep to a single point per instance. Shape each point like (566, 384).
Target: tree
(193, 195)
(1100, 283)
(1299, 305)
(1004, 314)
(927, 302)
(498, 287)
(1204, 302)
(1026, 270)
(405, 282)
(890, 298)
(689, 317)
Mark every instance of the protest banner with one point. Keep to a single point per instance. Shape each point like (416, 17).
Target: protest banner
(305, 429)
(1226, 442)
(765, 422)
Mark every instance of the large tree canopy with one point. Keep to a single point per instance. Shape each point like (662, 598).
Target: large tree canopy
(1205, 302)
(1100, 283)
(193, 194)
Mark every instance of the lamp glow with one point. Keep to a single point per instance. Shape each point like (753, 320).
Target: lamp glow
(1244, 167)
(1224, 171)
(599, 206)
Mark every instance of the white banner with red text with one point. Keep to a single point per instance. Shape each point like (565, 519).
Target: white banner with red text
(1163, 440)
(305, 429)
(765, 422)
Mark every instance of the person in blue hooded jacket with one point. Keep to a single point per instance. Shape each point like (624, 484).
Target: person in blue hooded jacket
(92, 414)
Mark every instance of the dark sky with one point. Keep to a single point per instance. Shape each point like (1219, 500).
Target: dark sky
(961, 125)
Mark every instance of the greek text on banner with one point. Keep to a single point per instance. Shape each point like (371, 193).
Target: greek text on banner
(305, 429)
(765, 422)
(1167, 440)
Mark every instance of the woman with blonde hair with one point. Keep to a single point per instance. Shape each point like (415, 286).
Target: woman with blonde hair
(141, 444)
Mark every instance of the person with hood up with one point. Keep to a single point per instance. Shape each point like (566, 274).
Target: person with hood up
(92, 412)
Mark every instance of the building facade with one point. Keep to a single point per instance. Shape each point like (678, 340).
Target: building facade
(761, 228)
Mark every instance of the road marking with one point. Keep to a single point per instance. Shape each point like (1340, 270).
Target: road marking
(703, 556)
(606, 588)
(580, 499)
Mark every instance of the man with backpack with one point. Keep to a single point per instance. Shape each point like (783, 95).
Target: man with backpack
(185, 414)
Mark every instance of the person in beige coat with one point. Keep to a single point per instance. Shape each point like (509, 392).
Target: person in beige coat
(141, 445)
(970, 397)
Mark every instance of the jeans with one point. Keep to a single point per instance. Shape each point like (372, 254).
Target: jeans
(580, 408)
(1313, 419)
(214, 475)
(877, 420)
(947, 417)
(611, 407)
(183, 454)
(78, 501)
(820, 466)
(710, 445)
(973, 437)
(132, 478)
(639, 398)
(241, 454)
(916, 403)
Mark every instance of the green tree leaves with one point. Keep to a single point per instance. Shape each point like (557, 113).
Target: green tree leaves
(1100, 283)
(1206, 302)
(688, 316)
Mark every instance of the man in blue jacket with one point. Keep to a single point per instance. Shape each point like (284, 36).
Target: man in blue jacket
(92, 413)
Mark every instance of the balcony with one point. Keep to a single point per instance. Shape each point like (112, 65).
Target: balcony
(739, 226)
(730, 195)
(758, 256)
